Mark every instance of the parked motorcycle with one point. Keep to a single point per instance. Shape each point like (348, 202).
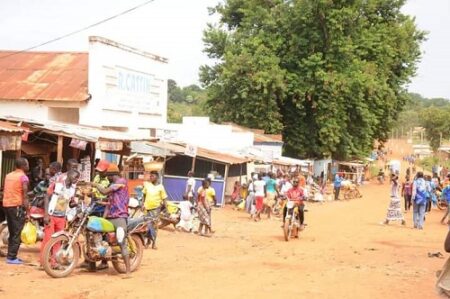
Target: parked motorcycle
(135, 203)
(96, 239)
(292, 221)
(36, 218)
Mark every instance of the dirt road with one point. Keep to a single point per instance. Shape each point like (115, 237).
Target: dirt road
(343, 253)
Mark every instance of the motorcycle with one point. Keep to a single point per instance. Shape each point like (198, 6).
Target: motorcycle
(36, 218)
(292, 225)
(135, 203)
(170, 214)
(96, 239)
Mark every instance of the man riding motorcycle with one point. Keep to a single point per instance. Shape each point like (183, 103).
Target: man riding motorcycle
(116, 210)
(297, 195)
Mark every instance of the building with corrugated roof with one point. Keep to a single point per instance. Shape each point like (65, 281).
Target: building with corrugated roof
(113, 86)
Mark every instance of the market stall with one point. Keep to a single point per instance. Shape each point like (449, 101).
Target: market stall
(10, 144)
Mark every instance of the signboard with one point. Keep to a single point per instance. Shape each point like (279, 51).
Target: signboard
(113, 146)
(85, 169)
(132, 90)
(10, 142)
(79, 144)
(190, 150)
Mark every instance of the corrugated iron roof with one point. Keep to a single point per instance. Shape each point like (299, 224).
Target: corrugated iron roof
(203, 153)
(86, 133)
(10, 128)
(44, 76)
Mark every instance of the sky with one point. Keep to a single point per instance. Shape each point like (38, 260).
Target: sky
(174, 28)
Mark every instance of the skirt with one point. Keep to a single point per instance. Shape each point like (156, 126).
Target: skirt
(394, 211)
(259, 203)
(203, 215)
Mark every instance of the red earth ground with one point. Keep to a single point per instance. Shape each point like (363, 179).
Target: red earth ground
(343, 253)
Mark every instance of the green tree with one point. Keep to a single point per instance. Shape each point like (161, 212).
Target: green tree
(175, 93)
(329, 75)
(186, 101)
(436, 122)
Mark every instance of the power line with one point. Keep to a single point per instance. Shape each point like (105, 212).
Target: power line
(80, 30)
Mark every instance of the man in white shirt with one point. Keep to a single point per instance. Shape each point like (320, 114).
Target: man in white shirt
(186, 216)
(260, 194)
(190, 187)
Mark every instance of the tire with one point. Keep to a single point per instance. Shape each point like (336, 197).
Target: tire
(441, 206)
(4, 234)
(287, 230)
(56, 273)
(135, 256)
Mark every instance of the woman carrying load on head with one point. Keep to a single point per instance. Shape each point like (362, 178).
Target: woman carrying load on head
(155, 197)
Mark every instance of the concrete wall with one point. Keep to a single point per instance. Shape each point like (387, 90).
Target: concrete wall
(200, 132)
(69, 115)
(128, 87)
(24, 109)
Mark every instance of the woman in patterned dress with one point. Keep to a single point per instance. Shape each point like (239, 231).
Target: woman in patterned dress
(394, 212)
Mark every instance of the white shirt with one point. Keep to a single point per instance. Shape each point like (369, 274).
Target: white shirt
(259, 188)
(190, 182)
(251, 188)
(185, 208)
(285, 188)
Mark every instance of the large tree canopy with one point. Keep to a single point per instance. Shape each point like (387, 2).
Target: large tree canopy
(328, 74)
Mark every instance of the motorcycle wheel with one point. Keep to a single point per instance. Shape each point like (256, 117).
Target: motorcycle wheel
(61, 266)
(4, 235)
(136, 252)
(287, 230)
(442, 205)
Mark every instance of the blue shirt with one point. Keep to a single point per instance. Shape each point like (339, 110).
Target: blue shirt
(446, 193)
(337, 181)
(271, 186)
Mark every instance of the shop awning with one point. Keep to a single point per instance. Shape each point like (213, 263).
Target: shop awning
(6, 127)
(85, 133)
(202, 153)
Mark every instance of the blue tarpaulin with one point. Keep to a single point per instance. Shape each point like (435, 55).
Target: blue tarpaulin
(175, 187)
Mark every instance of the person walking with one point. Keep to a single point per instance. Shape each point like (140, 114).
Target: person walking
(260, 194)
(337, 185)
(419, 199)
(190, 187)
(407, 192)
(394, 212)
(446, 196)
(272, 193)
(250, 197)
(15, 205)
(155, 197)
(204, 210)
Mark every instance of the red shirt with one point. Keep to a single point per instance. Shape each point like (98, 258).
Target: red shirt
(295, 194)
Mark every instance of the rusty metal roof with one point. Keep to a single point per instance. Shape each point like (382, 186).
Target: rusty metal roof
(10, 128)
(44, 76)
(86, 133)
